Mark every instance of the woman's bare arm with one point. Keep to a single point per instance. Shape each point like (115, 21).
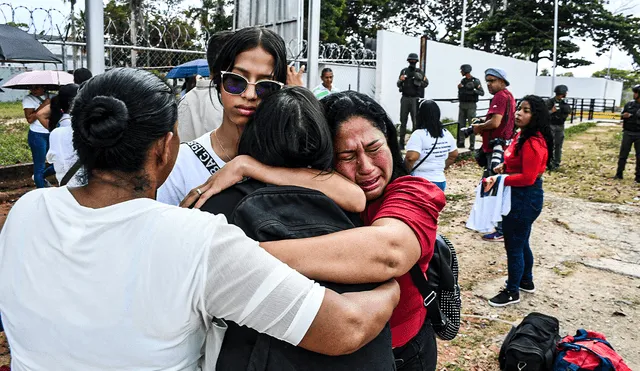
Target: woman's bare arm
(386, 249)
(410, 159)
(345, 193)
(345, 323)
(451, 159)
(31, 114)
(43, 115)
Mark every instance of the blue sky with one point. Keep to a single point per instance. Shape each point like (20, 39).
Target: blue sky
(618, 59)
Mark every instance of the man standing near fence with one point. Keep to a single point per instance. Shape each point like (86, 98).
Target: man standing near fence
(411, 84)
(630, 133)
(498, 124)
(559, 110)
(469, 89)
(327, 86)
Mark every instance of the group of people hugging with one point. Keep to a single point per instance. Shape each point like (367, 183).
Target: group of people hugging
(112, 274)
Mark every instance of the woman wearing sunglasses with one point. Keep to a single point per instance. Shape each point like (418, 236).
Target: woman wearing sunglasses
(251, 65)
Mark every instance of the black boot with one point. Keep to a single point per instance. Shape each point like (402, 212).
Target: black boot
(637, 169)
(621, 164)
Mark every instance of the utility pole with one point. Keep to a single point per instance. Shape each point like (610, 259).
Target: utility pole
(608, 77)
(95, 35)
(464, 21)
(555, 44)
(313, 39)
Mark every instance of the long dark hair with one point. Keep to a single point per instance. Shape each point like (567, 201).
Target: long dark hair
(246, 39)
(429, 118)
(118, 115)
(61, 103)
(340, 107)
(540, 123)
(289, 130)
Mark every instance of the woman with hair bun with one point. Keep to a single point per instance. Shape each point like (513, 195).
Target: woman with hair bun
(112, 279)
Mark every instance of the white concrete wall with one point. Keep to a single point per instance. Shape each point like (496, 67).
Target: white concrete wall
(345, 77)
(11, 95)
(581, 87)
(443, 71)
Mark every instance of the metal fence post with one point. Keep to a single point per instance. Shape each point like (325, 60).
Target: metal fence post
(573, 109)
(64, 55)
(358, 87)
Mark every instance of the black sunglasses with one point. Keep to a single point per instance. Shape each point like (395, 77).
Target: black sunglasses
(236, 84)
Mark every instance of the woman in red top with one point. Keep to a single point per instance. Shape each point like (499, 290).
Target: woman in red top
(400, 220)
(525, 160)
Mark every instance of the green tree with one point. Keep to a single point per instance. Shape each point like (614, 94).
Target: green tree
(331, 15)
(162, 28)
(432, 17)
(212, 17)
(628, 78)
(545, 72)
(354, 20)
(566, 74)
(525, 30)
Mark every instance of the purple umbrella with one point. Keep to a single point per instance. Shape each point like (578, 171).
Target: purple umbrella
(51, 80)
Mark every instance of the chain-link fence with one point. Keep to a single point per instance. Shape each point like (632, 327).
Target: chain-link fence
(156, 44)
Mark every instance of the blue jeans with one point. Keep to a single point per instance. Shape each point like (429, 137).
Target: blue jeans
(39, 144)
(526, 205)
(441, 185)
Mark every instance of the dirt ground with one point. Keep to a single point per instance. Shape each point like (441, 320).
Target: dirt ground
(587, 262)
(587, 257)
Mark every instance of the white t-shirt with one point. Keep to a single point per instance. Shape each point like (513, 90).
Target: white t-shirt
(489, 207)
(133, 286)
(188, 172)
(199, 112)
(31, 101)
(62, 154)
(432, 168)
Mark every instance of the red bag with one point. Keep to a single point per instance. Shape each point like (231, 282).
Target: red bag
(587, 350)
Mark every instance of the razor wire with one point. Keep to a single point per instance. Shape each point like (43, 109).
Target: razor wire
(160, 43)
(52, 24)
(334, 53)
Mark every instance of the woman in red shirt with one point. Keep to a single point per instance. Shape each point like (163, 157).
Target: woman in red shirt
(525, 160)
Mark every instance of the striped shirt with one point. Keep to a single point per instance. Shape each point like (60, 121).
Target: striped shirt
(321, 91)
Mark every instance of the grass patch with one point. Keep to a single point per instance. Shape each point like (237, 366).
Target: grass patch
(561, 223)
(456, 197)
(562, 272)
(570, 264)
(475, 348)
(11, 110)
(14, 148)
(589, 160)
(577, 129)
(566, 268)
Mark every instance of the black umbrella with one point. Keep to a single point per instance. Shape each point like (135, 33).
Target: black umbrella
(20, 47)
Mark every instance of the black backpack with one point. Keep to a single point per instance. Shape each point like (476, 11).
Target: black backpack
(283, 212)
(531, 346)
(440, 289)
